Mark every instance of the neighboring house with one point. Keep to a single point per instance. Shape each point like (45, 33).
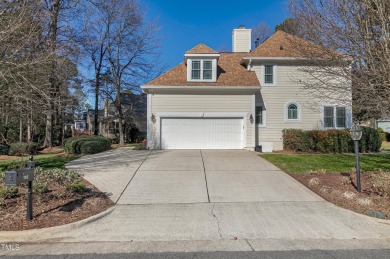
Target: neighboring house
(235, 100)
(134, 109)
(384, 124)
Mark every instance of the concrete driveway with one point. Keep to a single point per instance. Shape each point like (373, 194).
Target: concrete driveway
(189, 176)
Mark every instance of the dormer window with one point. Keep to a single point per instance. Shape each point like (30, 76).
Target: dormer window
(201, 64)
(202, 69)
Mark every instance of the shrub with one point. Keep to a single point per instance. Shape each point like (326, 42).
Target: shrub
(75, 145)
(39, 187)
(382, 134)
(76, 187)
(141, 146)
(95, 146)
(18, 149)
(4, 149)
(8, 192)
(329, 141)
(56, 175)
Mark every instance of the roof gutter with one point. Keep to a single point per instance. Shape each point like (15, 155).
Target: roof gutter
(150, 88)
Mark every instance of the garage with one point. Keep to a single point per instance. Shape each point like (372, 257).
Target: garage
(202, 133)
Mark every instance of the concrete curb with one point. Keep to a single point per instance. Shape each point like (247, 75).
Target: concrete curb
(79, 248)
(25, 235)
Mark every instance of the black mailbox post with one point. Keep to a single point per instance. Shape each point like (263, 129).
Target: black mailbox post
(19, 176)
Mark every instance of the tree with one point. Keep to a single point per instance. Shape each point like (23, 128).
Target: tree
(360, 30)
(260, 33)
(131, 50)
(288, 25)
(94, 41)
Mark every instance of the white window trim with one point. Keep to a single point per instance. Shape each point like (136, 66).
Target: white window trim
(264, 124)
(299, 113)
(274, 75)
(348, 116)
(213, 67)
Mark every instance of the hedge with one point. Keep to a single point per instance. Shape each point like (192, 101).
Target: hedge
(86, 145)
(330, 141)
(18, 149)
(4, 149)
(382, 134)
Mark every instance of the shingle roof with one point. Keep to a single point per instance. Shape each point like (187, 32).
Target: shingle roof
(282, 44)
(230, 73)
(201, 49)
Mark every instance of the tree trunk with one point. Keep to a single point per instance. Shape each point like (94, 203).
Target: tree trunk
(49, 130)
(96, 122)
(21, 129)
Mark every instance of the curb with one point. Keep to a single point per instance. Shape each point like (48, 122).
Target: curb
(24, 235)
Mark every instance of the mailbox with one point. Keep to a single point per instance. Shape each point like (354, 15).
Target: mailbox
(19, 176)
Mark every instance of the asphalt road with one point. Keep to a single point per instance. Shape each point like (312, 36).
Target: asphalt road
(320, 254)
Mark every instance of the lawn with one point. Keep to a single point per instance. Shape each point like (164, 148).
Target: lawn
(302, 163)
(51, 160)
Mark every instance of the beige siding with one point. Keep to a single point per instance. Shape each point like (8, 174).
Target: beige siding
(241, 40)
(275, 99)
(206, 103)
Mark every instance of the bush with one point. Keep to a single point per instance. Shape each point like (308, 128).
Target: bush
(18, 149)
(4, 149)
(140, 147)
(8, 192)
(76, 187)
(382, 134)
(93, 144)
(329, 141)
(40, 187)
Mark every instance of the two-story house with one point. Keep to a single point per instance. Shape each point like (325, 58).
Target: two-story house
(235, 100)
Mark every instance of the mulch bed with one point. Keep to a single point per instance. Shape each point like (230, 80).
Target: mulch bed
(339, 189)
(53, 208)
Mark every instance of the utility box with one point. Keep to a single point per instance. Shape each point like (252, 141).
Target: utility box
(19, 176)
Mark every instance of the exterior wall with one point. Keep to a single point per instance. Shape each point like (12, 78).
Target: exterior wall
(385, 125)
(195, 105)
(275, 98)
(241, 40)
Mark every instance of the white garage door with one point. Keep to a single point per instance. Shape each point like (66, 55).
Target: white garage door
(202, 133)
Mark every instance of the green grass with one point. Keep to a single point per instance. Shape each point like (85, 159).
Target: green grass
(302, 163)
(385, 146)
(45, 161)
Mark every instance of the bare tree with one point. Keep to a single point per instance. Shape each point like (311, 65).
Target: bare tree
(260, 33)
(94, 41)
(131, 50)
(360, 30)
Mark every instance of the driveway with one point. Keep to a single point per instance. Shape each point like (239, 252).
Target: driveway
(189, 176)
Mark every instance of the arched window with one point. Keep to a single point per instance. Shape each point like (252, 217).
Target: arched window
(292, 112)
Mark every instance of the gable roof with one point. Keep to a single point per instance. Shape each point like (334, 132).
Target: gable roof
(201, 49)
(229, 73)
(282, 44)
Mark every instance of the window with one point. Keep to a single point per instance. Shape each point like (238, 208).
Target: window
(268, 74)
(328, 117)
(207, 70)
(259, 115)
(202, 70)
(340, 117)
(292, 112)
(195, 70)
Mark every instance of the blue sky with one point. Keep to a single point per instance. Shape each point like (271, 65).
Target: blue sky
(184, 23)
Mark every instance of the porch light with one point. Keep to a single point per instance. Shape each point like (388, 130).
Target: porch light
(153, 118)
(251, 118)
(356, 134)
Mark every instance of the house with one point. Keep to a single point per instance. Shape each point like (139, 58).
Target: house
(235, 100)
(384, 124)
(134, 109)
